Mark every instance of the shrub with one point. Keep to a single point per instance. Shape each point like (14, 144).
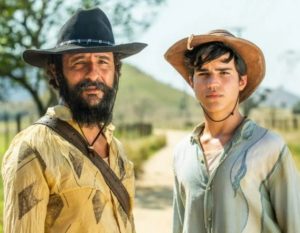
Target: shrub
(140, 149)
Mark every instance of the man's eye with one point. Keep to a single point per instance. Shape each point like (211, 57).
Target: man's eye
(224, 73)
(78, 63)
(204, 75)
(103, 62)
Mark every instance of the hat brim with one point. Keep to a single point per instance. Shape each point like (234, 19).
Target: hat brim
(251, 54)
(39, 57)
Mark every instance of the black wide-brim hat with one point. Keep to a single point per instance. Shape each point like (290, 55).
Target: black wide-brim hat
(87, 31)
(251, 54)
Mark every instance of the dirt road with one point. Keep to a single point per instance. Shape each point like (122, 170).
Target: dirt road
(153, 206)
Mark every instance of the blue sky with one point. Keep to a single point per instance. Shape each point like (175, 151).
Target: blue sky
(271, 24)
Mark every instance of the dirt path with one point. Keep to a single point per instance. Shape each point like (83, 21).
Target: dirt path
(153, 206)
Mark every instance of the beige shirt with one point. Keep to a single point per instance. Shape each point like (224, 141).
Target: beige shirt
(50, 186)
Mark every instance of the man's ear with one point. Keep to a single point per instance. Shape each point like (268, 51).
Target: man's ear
(243, 82)
(191, 80)
(51, 71)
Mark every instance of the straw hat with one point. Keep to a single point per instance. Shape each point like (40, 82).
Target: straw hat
(251, 54)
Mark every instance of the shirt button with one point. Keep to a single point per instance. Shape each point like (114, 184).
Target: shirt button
(208, 188)
(209, 219)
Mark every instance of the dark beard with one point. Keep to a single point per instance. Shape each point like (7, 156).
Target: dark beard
(82, 112)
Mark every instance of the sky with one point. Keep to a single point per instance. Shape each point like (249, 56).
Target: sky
(273, 25)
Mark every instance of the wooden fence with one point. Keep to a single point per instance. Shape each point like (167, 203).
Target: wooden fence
(10, 125)
(276, 118)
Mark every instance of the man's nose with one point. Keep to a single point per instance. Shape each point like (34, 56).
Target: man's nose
(213, 81)
(93, 72)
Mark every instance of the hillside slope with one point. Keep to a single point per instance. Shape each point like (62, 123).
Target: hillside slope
(142, 98)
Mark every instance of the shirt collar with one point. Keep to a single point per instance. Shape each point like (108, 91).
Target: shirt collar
(243, 132)
(196, 132)
(64, 113)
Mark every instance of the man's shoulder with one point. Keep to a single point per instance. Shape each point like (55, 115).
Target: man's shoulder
(270, 136)
(29, 133)
(118, 146)
(33, 136)
(185, 144)
(269, 140)
(24, 143)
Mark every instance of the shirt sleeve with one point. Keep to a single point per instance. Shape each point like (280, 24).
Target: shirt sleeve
(26, 192)
(285, 192)
(178, 208)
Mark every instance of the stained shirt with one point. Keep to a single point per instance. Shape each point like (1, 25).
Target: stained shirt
(254, 189)
(50, 186)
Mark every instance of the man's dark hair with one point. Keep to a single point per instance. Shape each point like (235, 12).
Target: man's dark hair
(208, 52)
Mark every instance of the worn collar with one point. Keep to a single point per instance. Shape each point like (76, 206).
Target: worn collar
(243, 132)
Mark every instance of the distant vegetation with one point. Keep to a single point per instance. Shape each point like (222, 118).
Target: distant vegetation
(295, 150)
(292, 139)
(141, 98)
(140, 149)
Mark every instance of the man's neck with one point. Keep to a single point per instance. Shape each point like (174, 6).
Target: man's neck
(223, 130)
(98, 142)
(90, 131)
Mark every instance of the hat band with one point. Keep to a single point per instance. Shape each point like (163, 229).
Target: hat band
(85, 41)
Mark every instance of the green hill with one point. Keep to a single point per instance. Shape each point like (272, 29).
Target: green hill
(142, 98)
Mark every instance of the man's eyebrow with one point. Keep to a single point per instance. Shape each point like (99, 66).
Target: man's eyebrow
(76, 57)
(223, 69)
(81, 56)
(201, 70)
(218, 69)
(105, 57)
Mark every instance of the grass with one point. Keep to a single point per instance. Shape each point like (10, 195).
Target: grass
(295, 150)
(292, 139)
(139, 150)
(2, 150)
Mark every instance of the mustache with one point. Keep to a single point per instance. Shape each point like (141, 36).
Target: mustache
(87, 83)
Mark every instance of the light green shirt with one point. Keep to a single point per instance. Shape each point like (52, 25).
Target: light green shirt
(254, 189)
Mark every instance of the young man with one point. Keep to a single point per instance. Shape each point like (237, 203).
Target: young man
(67, 173)
(231, 175)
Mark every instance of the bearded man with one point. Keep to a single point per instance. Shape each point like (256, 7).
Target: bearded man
(66, 172)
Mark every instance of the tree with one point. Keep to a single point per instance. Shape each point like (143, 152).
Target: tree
(33, 24)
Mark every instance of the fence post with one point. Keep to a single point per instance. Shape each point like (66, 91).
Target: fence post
(6, 131)
(18, 122)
